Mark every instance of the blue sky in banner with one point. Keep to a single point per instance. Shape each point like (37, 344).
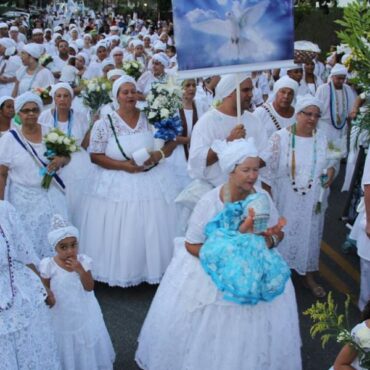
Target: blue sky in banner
(212, 33)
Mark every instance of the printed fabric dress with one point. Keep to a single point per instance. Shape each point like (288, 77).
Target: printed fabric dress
(128, 220)
(82, 337)
(26, 334)
(190, 326)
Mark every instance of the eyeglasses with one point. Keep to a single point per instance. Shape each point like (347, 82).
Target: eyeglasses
(311, 115)
(29, 111)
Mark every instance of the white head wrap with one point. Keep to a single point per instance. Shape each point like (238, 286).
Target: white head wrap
(162, 58)
(27, 97)
(227, 84)
(339, 70)
(232, 153)
(114, 28)
(47, 30)
(137, 43)
(56, 36)
(115, 72)
(73, 46)
(61, 229)
(306, 101)
(294, 67)
(107, 62)
(87, 36)
(9, 45)
(14, 28)
(58, 29)
(101, 43)
(4, 98)
(3, 25)
(286, 82)
(85, 56)
(61, 85)
(118, 83)
(114, 38)
(116, 50)
(79, 43)
(159, 45)
(37, 31)
(33, 49)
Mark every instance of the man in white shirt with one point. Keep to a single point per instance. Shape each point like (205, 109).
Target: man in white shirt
(223, 124)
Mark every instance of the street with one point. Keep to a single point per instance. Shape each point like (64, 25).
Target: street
(125, 309)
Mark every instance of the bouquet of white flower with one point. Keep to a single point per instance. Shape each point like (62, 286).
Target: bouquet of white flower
(133, 68)
(45, 60)
(57, 144)
(164, 101)
(95, 93)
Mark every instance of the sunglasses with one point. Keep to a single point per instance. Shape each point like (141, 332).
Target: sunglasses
(31, 110)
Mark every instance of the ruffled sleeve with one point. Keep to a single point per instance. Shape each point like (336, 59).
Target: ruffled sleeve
(85, 261)
(99, 137)
(45, 267)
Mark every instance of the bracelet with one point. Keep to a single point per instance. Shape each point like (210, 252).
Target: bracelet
(163, 156)
(275, 240)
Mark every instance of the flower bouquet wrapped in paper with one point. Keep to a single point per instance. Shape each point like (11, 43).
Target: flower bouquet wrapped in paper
(95, 93)
(45, 60)
(44, 94)
(133, 68)
(57, 144)
(164, 101)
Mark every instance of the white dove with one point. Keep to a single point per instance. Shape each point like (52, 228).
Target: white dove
(237, 27)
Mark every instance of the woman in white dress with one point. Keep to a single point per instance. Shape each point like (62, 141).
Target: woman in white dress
(26, 335)
(128, 215)
(21, 159)
(190, 325)
(310, 80)
(298, 171)
(6, 113)
(75, 124)
(32, 75)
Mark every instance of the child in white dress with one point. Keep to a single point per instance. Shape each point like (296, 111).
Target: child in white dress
(82, 337)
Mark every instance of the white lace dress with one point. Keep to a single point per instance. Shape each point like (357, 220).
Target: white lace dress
(303, 232)
(26, 334)
(128, 219)
(76, 173)
(190, 326)
(82, 337)
(34, 204)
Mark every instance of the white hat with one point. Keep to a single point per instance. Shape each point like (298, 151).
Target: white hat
(61, 85)
(27, 97)
(14, 29)
(3, 25)
(61, 229)
(339, 70)
(162, 58)
(306, 101)
(58, 29)
(37, 31)
(137, 43)
(85, 56)
(107, 62)
(33, 49)
(232, 153)
(159, 45)
(4, 98)
(116, 50)
(228, 83)
(87, 35)
(115, 72)
(286, 82)
(118, 83)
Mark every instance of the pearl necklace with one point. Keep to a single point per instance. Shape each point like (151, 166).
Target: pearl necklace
(303, 190)
(11, 273)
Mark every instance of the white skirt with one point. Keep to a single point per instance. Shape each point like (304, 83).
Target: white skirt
(189, 326)
(128, 226)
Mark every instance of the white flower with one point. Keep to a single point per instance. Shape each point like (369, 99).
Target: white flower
(165, 113)
(104, 86)
(73, 148)
(60, 140)
(151, 115)
(66, 141)
(98, 88)
(52, 137)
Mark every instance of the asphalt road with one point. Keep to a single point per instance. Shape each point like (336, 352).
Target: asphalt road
(125, 309)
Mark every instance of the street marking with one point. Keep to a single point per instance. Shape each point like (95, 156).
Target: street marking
(341, 261)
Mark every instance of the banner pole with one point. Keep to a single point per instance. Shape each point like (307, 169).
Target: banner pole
(238, 105)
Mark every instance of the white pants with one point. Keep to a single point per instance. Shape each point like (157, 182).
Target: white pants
(365, 284)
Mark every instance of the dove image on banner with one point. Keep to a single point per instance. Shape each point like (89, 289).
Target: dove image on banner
(232, 35)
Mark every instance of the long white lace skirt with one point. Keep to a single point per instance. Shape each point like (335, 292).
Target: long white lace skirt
(36, 206)
(189, 326)
(130, 239)
(32, 347)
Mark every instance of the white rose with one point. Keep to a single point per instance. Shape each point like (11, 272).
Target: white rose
(52, 137)
(66, 141)
(73, 148)
(151, 115)
(97, 88)
(60, 140)
(164, 113)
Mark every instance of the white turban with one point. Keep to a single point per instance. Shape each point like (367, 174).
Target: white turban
(137, 43)
(339, 70)
(33, 49)
(9, 45)
(294, 67)
(306, 101)
(37, 31)
(115, 72)
(61, 85)
(228, 83)
(3, 25)
(159, 45)
(27, 97)
(58, 29)
(107, 62)
(79, 44)
(162, 58)
(232, 153)
(87, 36)
(56, 36)
(85, 57)
(74, 47)
(114, 28)
(61, 229)
(114, 38)
(116, 50)
(48, 30)
(4, 98)
(14, 29)
(118, 83)
(286, 82)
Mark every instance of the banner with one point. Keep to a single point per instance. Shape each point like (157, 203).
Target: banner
(224, 36)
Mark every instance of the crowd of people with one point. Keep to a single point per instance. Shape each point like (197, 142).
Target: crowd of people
(226, 180)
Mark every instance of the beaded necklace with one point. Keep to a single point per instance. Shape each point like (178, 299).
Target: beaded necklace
(292, 159)
(338, 121)
(11, 272)
(70, 122)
